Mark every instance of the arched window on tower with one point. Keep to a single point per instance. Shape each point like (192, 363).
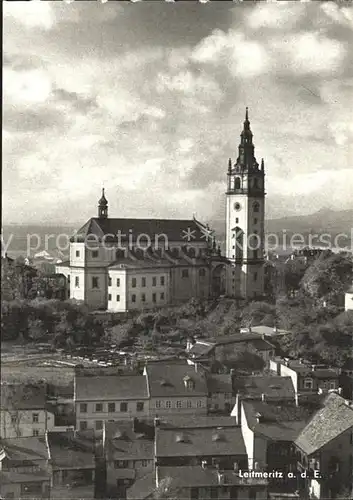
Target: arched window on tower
(256, 207)
(237, 183)
(256, 183)
(239, 243)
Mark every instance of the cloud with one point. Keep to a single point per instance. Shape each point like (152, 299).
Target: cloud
(35, 14)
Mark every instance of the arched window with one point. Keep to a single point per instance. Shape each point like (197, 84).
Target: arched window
(256, 207)
(255, 183)
(237, 183)
(239, 243)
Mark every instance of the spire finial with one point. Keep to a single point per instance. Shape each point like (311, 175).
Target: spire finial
(262, 164)
(247, 114)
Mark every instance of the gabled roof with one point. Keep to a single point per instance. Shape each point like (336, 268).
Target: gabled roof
(23, 397)
(124, 441)
(205, 441)
(200, 349)
(111, 387)
(168, 380)
(273, 387)
(184, 421)
(335, 417)
(74, 449)
(174, 229)
(277, 422)
(29, 449)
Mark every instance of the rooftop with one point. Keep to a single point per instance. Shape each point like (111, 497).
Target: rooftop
(171, 380)
(126, 441)
(111, 387)
(219, 383)
(23, 397)
(206, 441)
(173, 229)
(335, 417)
(273, 387)
(10, 477)
(200, 349)
(29, 449)
(196, 476)
(142, 488)
(279, 422)
(303, 367)
(73, 449)
(184, 421)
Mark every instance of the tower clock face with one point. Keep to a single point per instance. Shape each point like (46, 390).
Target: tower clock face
(237, 206)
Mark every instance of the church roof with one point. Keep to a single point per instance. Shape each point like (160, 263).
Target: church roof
(181, 230)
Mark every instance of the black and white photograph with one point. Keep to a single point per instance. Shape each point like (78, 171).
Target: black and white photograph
(177, 250)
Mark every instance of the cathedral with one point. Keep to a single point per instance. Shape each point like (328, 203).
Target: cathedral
(125, 264)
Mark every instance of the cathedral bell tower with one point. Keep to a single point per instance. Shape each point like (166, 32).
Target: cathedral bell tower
(103, 207)
(245, 218)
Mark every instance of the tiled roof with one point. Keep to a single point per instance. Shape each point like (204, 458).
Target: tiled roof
(72, 449)
(124, 442)
(206, 441)
(174, 229)
(168, 380)
(25, 448)
(261, 345)
(235, 338)
(329, 422)
(111, 387)
(273, 387)
(279, 422)
(142, 488)
(10, 477)
(196, 476)
(200, 349)
(23, 397)
(219, 383)
(199, 421)
(324, 374)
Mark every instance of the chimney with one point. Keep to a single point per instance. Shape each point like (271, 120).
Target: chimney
(313, 368)
(339, 390)
(221, 478)
(232, 372)
(256, 466)
(296, 396)
(204, 464)
(263, 398)
(275, 329)
(258, 417)
(134, 424)
(157, 421)
(196, 367)
(236, 467)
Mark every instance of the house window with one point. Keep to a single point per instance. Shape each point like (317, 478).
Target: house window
(255, 254)
(158, 404)
(133, 298)
(202, 273)
(188, 404)
(185, 273)
(109, 296)
(236, 220)
(111, 407)
(143, 297)
(99, 425)
(179, 404)
(308, 383)
(332, 385)
(144, 463)
(77, 281)
(35, 418)
(95, 282)
(168, 404)
(35, 432)
(13, 419)
(227, 395)
(123, 407)
(139, 406)
(121, 464)
(255, 220)
(94, 254)
(118, 298)
(154, 281)
(154, 297)
(199, 404)
(255, 276)
(143, 282)
(31, 489)
(256, 207)
(118, 282)
(77, 253)
(109, 281)
(162, 281)
(99, 407)
(83, 408)
(162, 296)
(133, 282)
(83, 425)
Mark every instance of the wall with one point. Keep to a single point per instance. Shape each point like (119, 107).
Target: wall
(221, 400)
(285, 371)
(96, 297)
(25, 426)
(149, 289)
(174, 410)
(77, 293)
(134, 471)
(249, 439)
(348, 302)
(92, 416)
(114, 290)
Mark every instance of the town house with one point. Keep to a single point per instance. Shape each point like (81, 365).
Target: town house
(109, 398)
(325, 445)
(176, 388)
(24, 411)
(24, 468)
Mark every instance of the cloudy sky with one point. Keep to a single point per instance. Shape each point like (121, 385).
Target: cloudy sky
(149, 100)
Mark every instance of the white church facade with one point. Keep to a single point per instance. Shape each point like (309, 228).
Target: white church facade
(125, 264)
